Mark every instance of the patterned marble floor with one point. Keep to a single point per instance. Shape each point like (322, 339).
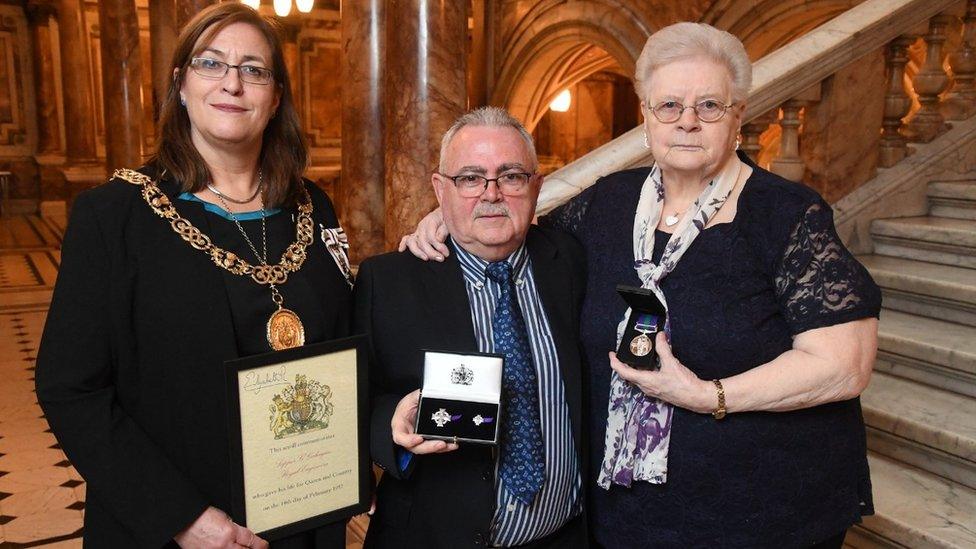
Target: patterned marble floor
(42, 497)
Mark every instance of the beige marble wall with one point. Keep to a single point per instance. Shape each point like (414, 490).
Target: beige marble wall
(841, 134)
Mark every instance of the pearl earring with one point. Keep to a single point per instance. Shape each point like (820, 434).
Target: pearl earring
(182, 101)
(646, 144)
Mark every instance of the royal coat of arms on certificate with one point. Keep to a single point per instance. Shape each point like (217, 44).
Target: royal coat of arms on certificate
(302, 407)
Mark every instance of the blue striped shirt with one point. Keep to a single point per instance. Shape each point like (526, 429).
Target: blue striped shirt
(560, 497)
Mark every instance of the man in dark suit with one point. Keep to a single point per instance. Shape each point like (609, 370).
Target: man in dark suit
(507, 287)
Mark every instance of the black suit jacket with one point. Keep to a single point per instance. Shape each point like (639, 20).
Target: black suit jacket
(447, 500)
(130, 369)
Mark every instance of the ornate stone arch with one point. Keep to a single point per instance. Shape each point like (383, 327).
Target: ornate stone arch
(558, 44)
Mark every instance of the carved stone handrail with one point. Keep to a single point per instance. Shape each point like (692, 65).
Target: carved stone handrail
(777, 77)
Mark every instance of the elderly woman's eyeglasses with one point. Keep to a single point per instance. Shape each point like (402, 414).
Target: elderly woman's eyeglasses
(509, 184)
(215, 70)
(708, 110)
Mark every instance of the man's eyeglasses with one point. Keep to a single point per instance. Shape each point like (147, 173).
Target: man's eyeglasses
(215, 70)
(470, 185)
(708, 110)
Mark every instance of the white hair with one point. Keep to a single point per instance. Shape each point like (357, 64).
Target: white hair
(685, 40)
(490, 117)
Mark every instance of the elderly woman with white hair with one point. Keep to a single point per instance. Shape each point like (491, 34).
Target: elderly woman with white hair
(749, 434)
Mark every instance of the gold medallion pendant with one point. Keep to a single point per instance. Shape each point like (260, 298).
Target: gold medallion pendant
(640, 345)
(285, 330)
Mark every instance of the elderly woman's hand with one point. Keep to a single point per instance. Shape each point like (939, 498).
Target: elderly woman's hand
(427, 241)
(673, 383)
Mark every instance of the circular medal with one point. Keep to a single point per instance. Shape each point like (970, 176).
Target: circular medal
(285, 330)
(640, 345)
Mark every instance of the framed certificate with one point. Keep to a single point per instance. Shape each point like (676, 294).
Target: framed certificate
(298, 437)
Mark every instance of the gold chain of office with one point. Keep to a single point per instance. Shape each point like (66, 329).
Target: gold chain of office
(291, 260)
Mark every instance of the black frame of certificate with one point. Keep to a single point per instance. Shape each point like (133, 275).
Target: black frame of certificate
(364, 475)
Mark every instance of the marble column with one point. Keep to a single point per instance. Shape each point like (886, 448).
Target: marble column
(163, 30)
(82, 167)
(48, 157)
(361, 198)
(166, 20)
(186, 9)
(121, 82)
(426, 91)
(478, 67)
(39, 16)
(79, 105)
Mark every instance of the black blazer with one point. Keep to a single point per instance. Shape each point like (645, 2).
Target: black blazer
(447, 500)
(130, 368)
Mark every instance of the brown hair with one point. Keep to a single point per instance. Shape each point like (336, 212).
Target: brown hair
(284, 155)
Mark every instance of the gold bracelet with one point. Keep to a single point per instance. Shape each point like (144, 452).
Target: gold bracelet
(719, 412)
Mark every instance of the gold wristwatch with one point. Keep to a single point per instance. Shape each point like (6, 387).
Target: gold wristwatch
(719, 412)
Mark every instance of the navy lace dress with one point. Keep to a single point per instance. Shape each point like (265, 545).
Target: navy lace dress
(736, 298)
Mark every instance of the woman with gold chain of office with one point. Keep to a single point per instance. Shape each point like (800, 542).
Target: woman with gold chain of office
(214, 250)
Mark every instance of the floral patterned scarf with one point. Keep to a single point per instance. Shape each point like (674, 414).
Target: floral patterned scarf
(639, 426)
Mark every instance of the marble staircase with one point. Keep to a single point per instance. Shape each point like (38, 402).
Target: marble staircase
(920, 408)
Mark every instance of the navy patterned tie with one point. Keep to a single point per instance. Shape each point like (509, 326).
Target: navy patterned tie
(522, 457)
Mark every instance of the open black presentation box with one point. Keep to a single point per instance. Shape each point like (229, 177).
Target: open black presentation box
(647, 318)
(461, 397)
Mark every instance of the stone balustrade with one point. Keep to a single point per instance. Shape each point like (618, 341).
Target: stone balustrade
(941, 94)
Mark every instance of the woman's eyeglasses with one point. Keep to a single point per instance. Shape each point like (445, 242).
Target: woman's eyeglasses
(708, 110)
(215, 70)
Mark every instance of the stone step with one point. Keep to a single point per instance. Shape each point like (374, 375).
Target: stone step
(916, 509)
(928, 289)
(860, 538)
(934, 239)
(929, 428)
(930, 351)
(952, 199)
